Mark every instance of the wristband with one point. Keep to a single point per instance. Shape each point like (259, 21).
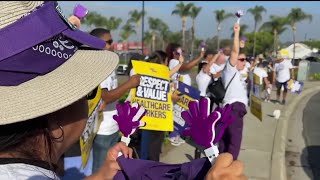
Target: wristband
(212, 153)
(126, 140)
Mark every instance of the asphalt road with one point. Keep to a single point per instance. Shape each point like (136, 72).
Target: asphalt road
(311, 134)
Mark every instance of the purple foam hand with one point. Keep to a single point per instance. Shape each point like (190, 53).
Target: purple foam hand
(80, 11)
(203, 45)
(201, 124)
(239, 13)
(128, 117)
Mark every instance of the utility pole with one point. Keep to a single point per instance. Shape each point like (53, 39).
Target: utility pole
(142, 24)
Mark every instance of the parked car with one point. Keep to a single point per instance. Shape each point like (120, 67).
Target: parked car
(122, 69)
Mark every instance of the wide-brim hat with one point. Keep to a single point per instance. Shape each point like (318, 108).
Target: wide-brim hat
(282, 54)
(42, 67)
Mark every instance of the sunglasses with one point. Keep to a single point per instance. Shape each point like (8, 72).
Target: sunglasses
(110, 41)
(242, 59)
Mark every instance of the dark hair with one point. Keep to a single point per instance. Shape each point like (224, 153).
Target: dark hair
(200, 66)
(209, 51)
(170, 49)
(135, 56)
(23, 139)
(158, 57)
(99, 32)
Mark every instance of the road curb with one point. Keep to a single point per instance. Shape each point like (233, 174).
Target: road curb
(278, 167)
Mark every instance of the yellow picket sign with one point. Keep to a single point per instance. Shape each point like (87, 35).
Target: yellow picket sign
(92, 126)
(256, 107)
(154, 94)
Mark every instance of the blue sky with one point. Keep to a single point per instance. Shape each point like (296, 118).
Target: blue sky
(206, 25)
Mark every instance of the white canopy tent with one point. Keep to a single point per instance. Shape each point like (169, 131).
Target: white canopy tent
(302, 51)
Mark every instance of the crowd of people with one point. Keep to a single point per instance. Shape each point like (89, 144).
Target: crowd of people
(45, 110)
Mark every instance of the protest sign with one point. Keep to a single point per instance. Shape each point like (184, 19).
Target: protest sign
(188, 93)
(255, 107)
(255, 100)
(295, 86)
(94, 120)
(154, 95)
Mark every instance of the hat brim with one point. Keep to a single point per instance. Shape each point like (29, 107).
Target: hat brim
(71, 81)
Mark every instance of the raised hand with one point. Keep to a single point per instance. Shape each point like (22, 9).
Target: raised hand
(239, 13)
(128, 117)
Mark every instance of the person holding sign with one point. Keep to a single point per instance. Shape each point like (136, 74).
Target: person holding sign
(174, 52)
(108, 133)
(236, 96)
(264, 83)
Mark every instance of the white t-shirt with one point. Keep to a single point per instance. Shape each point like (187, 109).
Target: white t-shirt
(21, 171)
(245, 72)
(283, 70)
(237, 91)
(109, 125)
(203, 80)
(185, 77)
(262, 73)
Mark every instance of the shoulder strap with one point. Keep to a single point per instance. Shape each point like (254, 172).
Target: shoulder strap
(231, 80)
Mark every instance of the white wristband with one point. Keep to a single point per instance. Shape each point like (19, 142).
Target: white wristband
(125, 140)
(212, 153)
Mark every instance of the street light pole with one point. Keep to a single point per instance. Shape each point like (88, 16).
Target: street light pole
(142, 24)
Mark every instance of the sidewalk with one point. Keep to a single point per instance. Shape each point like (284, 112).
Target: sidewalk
(258, 142)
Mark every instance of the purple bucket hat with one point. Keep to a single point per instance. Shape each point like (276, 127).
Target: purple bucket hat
(42, 66)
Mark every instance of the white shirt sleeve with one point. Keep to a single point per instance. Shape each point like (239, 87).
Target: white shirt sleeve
(107, 83)
(229, 68)
(132, 72)
(264, 73)
(173, 63)
(289, 64)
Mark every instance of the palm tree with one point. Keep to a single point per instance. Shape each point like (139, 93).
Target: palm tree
(163, 30)
(276, 25)
(154, 25)
(113, 23)
(147, 38)
(127, 31)
(193, 14)
(296, 15)
(136, 17)
(183, 11)
(256, 13)
(243, 29)
(221, 15)
(95, 19)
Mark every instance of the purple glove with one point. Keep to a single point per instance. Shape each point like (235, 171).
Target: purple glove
(80, 11)
(201, 123)
(128, 117)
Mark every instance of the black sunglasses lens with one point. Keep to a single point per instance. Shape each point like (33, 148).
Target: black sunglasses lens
(109, 41)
